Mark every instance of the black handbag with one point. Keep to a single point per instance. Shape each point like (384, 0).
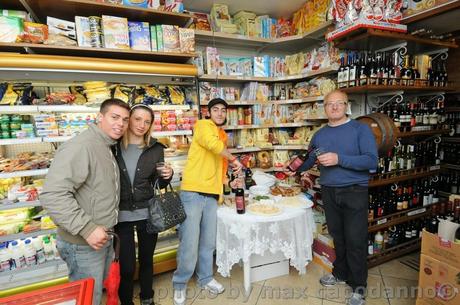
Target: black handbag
(165, 210)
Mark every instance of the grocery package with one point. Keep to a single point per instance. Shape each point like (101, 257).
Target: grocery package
(139, 35)
(187, 40)
(16, 94)
(221, 20)
(115, 32)
(83, 31)
(61, 32)
(96, 92)
(33, 33)
(70, 124)
(174, 6)
(96, 31)
(200, 21)
(16, 126)
(25, 161)
(10, 28)
(137, 3)
(46, 125)
(171, 42)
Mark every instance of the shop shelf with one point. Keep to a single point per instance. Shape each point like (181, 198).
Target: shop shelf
(37, 274)
(433, 15)
(291, 147)
(68, 9)
(18, 109)
(404, 175)
(169, 107)
(277, 102)
(274, 147)
(26, 235)
(398, 218)
(453, 109)
(298, 124)
(160, 134)
(174, 57)
(382, 88)
(27, 204)
(451, 166)
(451, 139)
(232, 78)
(373, 39)
(20, 141)
(29, 173)
(422, 133)
(444, 194)
(290, 44)
(57, 139)
(393, 252)
(67, 108)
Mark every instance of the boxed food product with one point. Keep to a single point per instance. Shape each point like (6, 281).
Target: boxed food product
(115, 30)
(95, 27)
(14, 13)
(83, 31)
(138, 3)
(153, 38)
(201, 21)
(139, 35)
(440, 249)
(212, 61)
(160, 44)
(187, 40)
(171, 41)
(61, 32)
(10, 28)
(174, 6)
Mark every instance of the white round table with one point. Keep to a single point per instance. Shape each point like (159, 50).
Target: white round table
(241, 235)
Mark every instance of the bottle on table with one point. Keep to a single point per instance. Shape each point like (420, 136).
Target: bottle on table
(239, 201)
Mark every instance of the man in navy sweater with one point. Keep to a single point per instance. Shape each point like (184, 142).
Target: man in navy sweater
(345, 151)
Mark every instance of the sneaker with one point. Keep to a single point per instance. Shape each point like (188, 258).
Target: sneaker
(330, 280)
(356, 299)
(214, 287)
(179, 296)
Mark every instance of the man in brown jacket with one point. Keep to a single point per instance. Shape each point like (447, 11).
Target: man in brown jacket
(81, 194)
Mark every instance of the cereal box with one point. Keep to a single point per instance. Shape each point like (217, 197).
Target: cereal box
(115, 31)
(139, 35)
(170, 38)
(153, 38)
(138, 3)
(159, 30)
(187, 40)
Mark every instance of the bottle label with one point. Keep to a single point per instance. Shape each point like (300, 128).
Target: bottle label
(370, 249)
(295, 164)
(239, 201)
(5, 265)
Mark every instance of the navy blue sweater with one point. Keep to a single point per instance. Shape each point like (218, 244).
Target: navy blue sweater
(355, 146)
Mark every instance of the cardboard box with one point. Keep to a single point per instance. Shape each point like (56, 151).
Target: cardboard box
(440, 249)
(323, 262)
(324, 250)
(139, 35)
(116, 33)
(439, 282)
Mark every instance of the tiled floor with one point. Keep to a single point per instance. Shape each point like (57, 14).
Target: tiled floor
(392, 283)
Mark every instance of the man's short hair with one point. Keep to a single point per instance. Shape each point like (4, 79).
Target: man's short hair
(112, 102)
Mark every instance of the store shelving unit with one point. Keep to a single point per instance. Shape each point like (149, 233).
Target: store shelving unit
(398, 218)
(26, 235)
(393, 252)
(274, 102)
(27, 173)
(404, 175)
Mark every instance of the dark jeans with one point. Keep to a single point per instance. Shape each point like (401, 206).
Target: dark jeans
(146, 246)
(346, 217)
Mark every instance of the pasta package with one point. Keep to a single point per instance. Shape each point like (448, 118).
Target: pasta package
(187, 40)
(171, 41)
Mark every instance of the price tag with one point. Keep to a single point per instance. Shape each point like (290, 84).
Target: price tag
(382, 221)
(435, 168)
(418, 211)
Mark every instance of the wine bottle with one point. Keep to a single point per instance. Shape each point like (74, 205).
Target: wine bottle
(299, 160)
(239, 201)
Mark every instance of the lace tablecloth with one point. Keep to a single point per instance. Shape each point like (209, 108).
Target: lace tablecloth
(240, 236)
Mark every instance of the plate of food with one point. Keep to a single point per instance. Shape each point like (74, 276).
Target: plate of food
(299, 201)
(285, 190)
(264, 209)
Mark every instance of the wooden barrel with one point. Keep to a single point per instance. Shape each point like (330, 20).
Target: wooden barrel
(384, 130)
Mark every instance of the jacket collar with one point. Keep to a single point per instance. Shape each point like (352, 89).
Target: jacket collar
(101, 135)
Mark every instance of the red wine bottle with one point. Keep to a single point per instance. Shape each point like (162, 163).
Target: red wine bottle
(299, 160)
(239, 201)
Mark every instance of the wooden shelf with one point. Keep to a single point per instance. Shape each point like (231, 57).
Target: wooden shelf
(453, 109)
(444, 194)
(274, 147)
(24, 48)
(398, 176)
(392, 253)
(451, 139)
(372, 39)
(422, 133)
(68, 9)
(12, 5)
(274, 102)
(451, 166)
(397, 218)
(381, 88)
(287, 125)
(432, 14)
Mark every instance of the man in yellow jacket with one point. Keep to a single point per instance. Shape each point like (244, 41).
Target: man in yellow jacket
(202, 182)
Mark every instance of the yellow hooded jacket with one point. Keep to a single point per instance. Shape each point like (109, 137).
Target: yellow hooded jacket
(204, 170)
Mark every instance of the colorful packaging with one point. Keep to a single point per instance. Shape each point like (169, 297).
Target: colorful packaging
(95, 31)
(138, 3)
(160, 45)
(139, 35)
(187, 40)
(34, 33)
(116, 34)
(153, 38)
(10, 28)
(171, 41)
(83, 31)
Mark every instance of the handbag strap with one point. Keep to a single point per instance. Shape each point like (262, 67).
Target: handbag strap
(156, 188)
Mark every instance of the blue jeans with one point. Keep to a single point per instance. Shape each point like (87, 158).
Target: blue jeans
(84, 262)
(197, 236)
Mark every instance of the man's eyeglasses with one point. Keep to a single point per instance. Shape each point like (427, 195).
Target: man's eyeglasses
(333, 104)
